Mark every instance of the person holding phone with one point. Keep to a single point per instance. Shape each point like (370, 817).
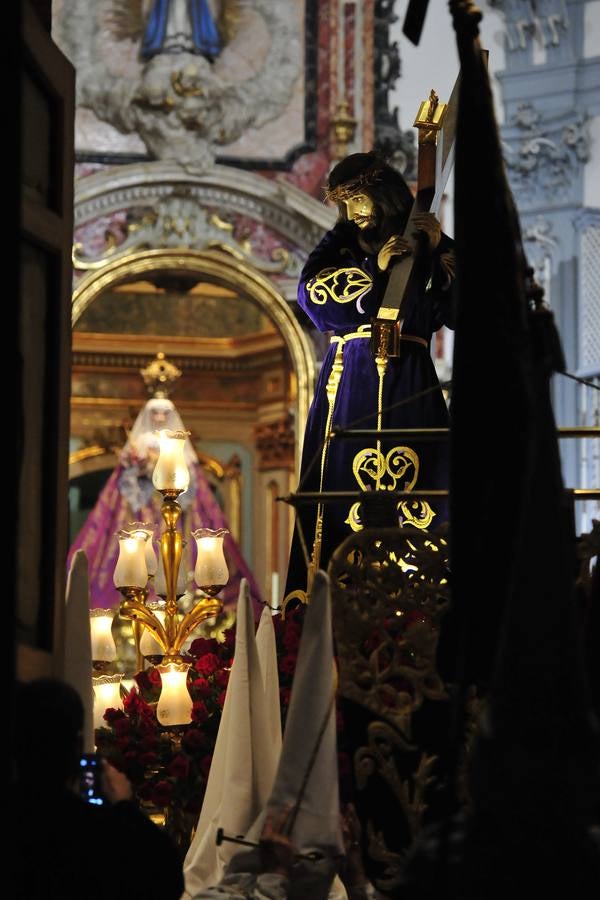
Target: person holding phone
(65, 847)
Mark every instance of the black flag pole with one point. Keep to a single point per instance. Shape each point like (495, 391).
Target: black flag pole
(414, 20)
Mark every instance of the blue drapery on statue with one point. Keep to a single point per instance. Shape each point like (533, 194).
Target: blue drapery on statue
(203, 31)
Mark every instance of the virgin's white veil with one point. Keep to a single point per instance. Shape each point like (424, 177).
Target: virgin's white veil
(157, 413)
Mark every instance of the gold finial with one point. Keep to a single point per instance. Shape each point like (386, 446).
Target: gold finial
(430, 118)
(160, 375)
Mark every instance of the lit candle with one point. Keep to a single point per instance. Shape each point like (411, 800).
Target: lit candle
(131, 570)
(149, 646)
(174, 705)
(146, 531)
(211, 572)
(107, 695)
(275, 590)
(171, 472)
(103, 645)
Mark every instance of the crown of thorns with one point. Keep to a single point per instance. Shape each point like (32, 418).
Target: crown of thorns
(345, 190)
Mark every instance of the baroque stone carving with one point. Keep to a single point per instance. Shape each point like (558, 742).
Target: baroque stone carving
(275, 443)
(389, 138)
(286, 210)
(178, 221)
(181, 104)
(545, 155)
(544, 20)
(541, 245)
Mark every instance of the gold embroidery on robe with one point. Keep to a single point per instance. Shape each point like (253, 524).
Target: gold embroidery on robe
(340, 285)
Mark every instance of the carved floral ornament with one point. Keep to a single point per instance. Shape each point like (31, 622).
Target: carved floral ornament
(545, 21)
(276, 443)
(181, 102)
(175, 221)
(545, 155)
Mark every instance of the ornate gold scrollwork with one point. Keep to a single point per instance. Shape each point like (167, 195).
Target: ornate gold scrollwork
(390, 592)
(340, 285)
(393, 583)
(397, 470)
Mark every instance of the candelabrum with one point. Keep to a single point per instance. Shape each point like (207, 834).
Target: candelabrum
(137, 562)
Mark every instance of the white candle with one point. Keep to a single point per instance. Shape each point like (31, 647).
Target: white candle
(107, 695)
(211, 568)
(171, 472)
(275, 590)
(131, 570)
(103, 645)
(174, 705)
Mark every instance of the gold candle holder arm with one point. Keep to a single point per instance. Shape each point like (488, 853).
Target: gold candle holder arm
(134, 608)
(204, 609)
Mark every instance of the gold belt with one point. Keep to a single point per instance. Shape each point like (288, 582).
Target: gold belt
(365, 332)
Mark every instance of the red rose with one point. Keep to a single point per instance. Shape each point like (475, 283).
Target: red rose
(222, 678)
(122, 727)
(207, 664)
(132, 701)
(149, 743)
(199, 711)
(179, 767)
(193, 739)
(143, 681)
(111, 715)
(147, 728)
(154, 677)
(201, 647)
(161, 795)
(201, 687)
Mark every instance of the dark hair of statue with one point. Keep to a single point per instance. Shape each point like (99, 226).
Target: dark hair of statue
(393, 201)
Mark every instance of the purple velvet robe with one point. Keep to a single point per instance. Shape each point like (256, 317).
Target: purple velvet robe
(341, 289)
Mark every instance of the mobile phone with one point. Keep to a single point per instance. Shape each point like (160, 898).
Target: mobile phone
(89, 781)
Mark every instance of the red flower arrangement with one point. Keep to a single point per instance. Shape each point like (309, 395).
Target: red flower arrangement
(169, 768)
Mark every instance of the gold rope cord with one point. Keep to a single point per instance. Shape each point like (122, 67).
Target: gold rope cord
(332, 388)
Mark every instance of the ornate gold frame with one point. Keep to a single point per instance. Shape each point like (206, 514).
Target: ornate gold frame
(223, 269)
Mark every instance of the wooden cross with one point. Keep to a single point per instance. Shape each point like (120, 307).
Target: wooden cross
(437, 127)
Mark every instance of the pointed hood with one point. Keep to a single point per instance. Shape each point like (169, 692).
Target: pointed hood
(244, 760)
(307, 776)
(77, 667)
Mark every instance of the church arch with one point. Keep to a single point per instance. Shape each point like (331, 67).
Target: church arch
(221, 268)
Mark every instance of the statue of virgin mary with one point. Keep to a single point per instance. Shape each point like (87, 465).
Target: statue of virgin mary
(129, 496)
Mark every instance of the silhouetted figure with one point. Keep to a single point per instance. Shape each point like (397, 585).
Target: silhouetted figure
(64, 847)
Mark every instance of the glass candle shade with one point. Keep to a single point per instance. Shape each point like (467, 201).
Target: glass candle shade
(149, 646)
(139, 529)
(174, 705)
(107, 695)
(103, 644)
(211, 572)
(171, 472)
(131, 569)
